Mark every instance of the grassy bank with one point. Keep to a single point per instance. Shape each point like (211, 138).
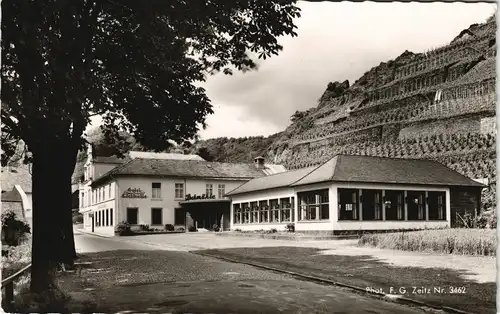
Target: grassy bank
(478, 242)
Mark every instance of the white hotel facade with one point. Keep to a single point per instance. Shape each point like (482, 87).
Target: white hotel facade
(158, 189)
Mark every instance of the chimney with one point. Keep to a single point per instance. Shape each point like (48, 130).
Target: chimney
(259, 162)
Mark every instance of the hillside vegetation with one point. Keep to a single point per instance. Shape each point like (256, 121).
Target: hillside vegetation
(438, 105)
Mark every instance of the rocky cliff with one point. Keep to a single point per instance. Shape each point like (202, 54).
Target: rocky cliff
(438, 105)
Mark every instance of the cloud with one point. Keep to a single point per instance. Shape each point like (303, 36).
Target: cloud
(337, 41)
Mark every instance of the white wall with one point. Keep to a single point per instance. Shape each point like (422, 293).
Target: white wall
(167, 200)
(333, 223)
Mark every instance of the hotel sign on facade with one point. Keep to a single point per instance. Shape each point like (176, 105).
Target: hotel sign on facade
(134, 193)
(199, 197)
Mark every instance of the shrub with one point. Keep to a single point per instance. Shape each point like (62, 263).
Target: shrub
(144, 227)
(237, 230)
(215, 228)
(290, 227)
(169, 227)
(14, 230)
(192, 229)
(123, 228)
(77, 218)
(181, 229)
(274, 230)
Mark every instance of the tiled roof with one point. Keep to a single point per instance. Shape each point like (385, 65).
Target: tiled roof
(363, 169)
(11, 196)
(184, 168)
(134, 154)
(386, 170)
(272, 181)
(110, 160)
(273, 169)
(16, 176)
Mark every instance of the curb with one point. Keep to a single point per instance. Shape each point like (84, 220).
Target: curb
(290, 238)
(401, 300)
(92, 234)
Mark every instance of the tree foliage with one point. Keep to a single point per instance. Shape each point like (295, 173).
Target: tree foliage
(135, 63)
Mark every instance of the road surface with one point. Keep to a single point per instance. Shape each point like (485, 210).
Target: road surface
(124, 276)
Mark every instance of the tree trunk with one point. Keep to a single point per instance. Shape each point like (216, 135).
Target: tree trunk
(52, 241)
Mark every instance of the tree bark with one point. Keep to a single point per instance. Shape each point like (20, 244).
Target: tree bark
(53, 240)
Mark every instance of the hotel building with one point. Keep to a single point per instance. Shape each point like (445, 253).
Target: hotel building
(158, 189)
(349, 193)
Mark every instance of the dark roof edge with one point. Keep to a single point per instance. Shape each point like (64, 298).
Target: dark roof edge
(437, 162)
(281, 186)
(115, 175)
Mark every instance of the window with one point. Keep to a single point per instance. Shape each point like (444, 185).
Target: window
(348, 204)
(286, 209)
(209, 190)
(180, 216)
(83, 200)
(107, 217)
(394, 207)
(221, 190)
(274, 209)
(236, 213)
(314, 205)
(254, 212)
(264, 212)
(157, 216)
(372, 205)
(437, 205)
(132, 213)
(111, 216)
(416, 205)
(179, 190)
(102, 191)
(109, 190)
(246, 213)
(156, 190)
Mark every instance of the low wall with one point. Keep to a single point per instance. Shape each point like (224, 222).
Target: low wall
(291, 236)
(389, 225)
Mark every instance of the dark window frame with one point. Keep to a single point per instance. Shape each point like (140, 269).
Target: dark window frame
(153, 222)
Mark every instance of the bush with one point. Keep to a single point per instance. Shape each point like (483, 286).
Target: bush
(169, 227)
(181, 229)
(123, 228)
(14, 230)
(144, 227)
(192, 229)
(237, 230)
(487, 219)
(77, 218)
(215, 228)
(290, 227)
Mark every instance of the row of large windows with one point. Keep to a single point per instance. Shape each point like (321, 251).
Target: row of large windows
(96, 196)
(353, 204)
(103, 217)
(279, 210)
(367, 205)
(156, 215)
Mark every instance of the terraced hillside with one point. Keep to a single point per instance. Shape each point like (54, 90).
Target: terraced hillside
(438, 105)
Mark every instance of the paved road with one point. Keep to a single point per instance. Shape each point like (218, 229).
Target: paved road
(129, 276)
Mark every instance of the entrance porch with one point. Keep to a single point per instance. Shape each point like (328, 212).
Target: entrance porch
(205, 213)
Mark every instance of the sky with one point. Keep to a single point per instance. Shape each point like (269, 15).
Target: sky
(336, 42)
